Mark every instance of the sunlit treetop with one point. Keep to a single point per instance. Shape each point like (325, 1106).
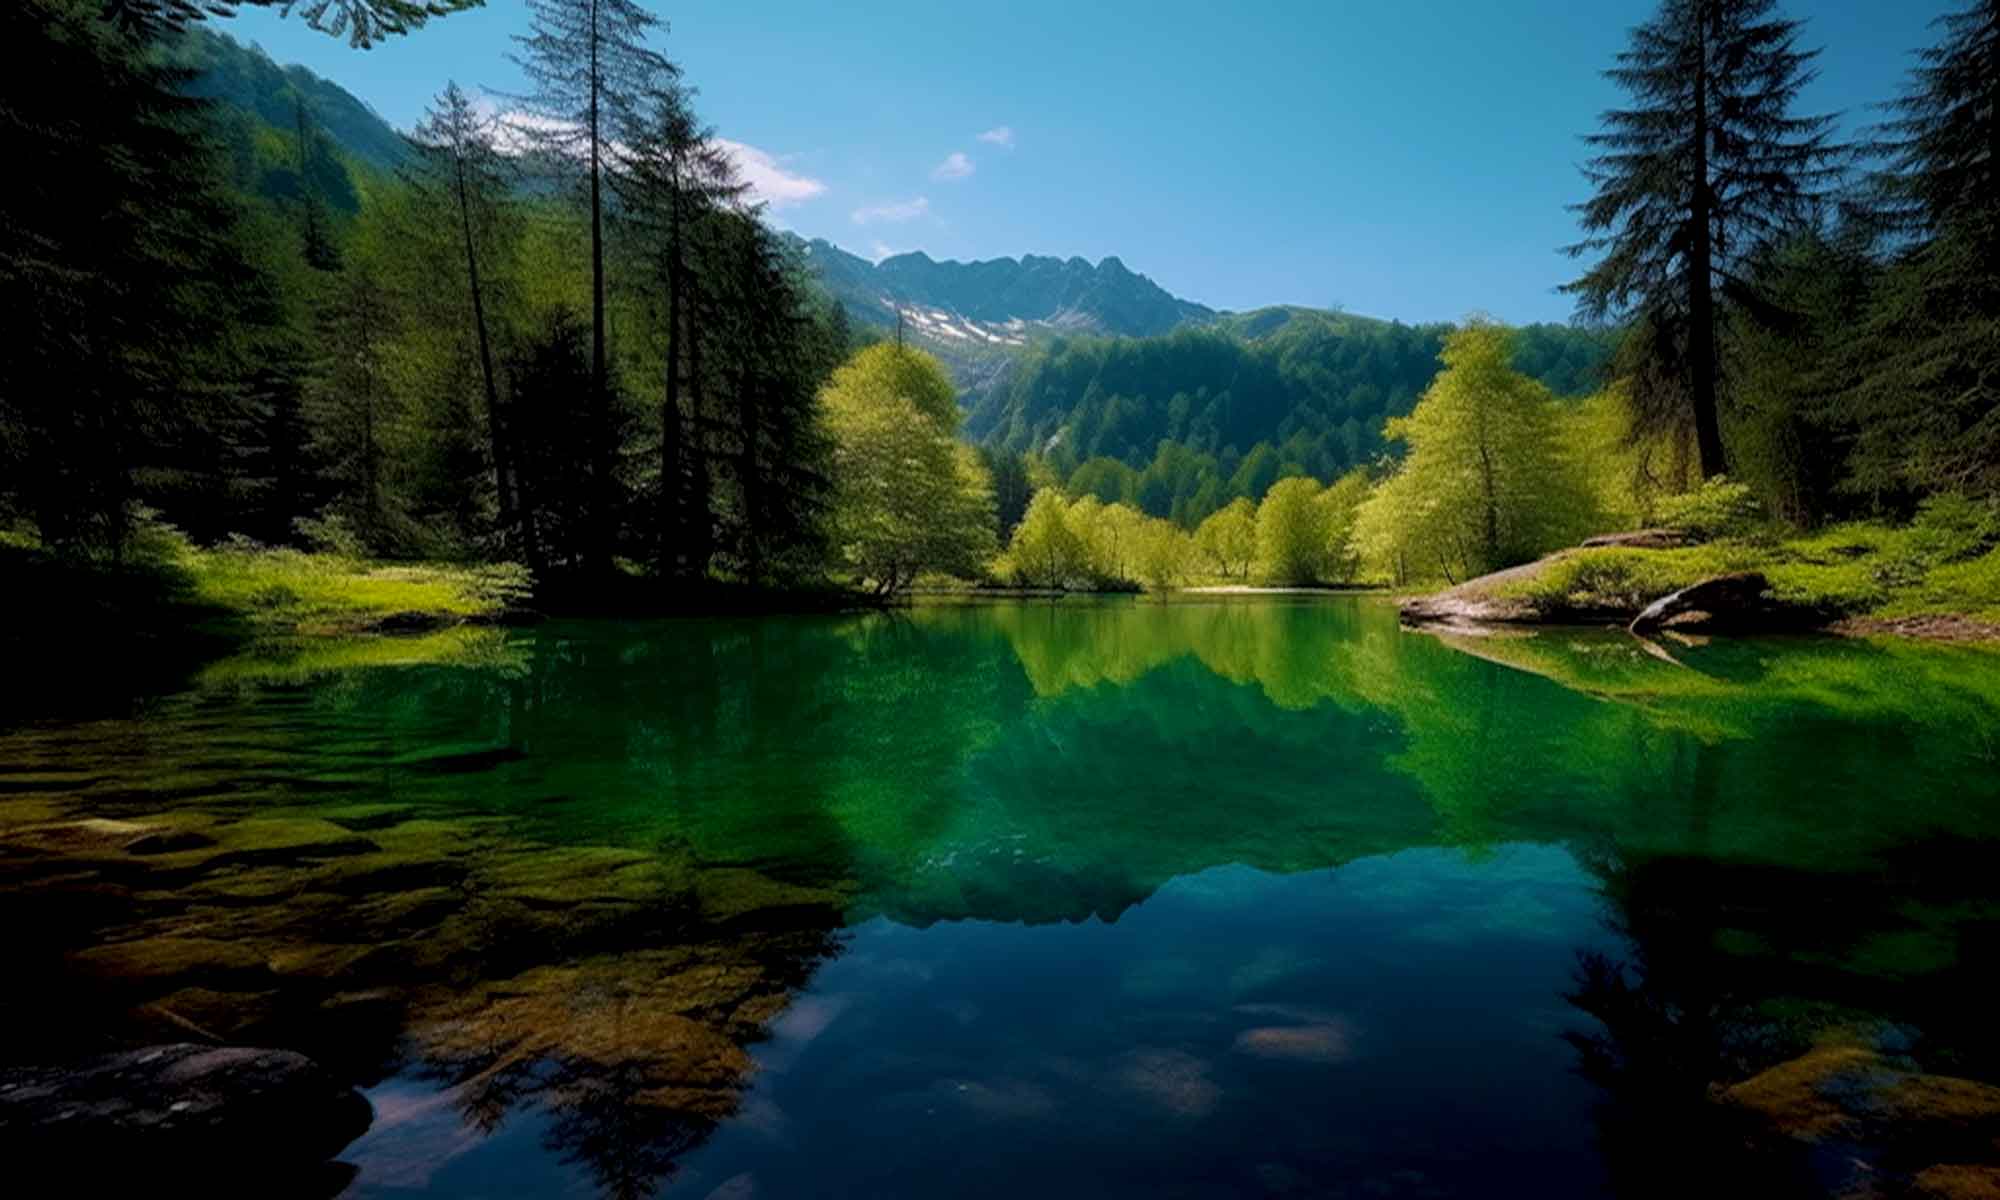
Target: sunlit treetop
(361, 22)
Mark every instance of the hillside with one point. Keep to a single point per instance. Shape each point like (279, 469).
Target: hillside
(250, 81)
(1234, 405)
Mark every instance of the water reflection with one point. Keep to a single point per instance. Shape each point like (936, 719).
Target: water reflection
(573, 879)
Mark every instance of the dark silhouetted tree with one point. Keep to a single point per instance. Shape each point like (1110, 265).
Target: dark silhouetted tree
(588, 66)
(1708, 164)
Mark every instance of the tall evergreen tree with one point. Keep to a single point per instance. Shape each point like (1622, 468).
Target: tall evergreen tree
(354, 413)
(774, 449)
(588, 65)
(121, 270)
(1942, 145)
(676, 177)
(1926, 410)
(316, 239)
(462, 187)
(1708, 164)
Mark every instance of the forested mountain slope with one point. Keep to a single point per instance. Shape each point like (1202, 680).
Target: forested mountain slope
(1313, 386)
(249, 80)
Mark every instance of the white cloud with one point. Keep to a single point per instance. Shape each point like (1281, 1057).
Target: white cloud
(956, 166)
(769, 181)
(999, 135)
(893, 213)
(880, 250)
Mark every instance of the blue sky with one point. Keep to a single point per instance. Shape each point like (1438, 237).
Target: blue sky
(1410, 159)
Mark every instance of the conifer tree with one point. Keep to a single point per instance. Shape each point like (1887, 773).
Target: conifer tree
(361, 22)
(589, 66)
(1926, 410)
(121, 270)
(1708, 164)
(462, 187)
(676, 178)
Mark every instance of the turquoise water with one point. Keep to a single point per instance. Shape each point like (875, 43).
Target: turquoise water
(1228, 898)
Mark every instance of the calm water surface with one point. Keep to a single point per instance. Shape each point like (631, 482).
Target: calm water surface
(1236, 899)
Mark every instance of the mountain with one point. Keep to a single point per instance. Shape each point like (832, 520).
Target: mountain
(1129, 390)
(250, 81)
(999, 302)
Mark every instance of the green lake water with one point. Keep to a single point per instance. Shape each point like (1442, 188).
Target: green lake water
(1229, 898)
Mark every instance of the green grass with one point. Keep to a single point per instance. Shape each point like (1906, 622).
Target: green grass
(1853, 570)
(162, 584)
(309, 592)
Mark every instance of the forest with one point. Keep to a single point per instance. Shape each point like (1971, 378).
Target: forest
(561, 353)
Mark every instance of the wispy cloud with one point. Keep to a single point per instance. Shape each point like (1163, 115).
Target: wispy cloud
(879, 250)
(893, 213)
(956, 166)
(999, 135)
(769, 181)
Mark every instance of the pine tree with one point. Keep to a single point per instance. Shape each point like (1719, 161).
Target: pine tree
(676, 177)
(589, 65)
(774, 448)
(353, 411)
(1708, 165)
(1942, 148)
(362, 22)
(462, 187)
(121, 270)
(1926, 410)
(316, 241)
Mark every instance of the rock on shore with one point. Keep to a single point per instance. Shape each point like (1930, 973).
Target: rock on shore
(176, 1114)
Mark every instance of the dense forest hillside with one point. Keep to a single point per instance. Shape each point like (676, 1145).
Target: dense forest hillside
(248, 80)
(1186, 422)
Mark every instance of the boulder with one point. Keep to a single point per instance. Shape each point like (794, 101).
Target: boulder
(176, 1115)
(1737, 599)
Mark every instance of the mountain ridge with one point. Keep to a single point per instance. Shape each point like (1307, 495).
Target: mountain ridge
(998, 301)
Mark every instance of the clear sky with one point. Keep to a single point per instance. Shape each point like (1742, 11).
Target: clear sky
(1408, 158)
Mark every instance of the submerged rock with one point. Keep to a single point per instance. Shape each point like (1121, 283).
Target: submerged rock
(1877, 1124)
(178, 1112)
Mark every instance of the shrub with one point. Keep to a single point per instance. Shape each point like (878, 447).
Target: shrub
(1716, 509)
(1951, 527)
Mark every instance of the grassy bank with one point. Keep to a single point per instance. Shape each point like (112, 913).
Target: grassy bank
(1864, 572)
(165, 587)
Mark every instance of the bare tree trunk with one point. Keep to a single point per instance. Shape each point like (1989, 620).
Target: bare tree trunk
(1701, 286)
(672, 542)
(599, 555)
(506, 483)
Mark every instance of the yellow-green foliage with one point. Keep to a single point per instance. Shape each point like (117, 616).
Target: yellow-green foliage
(1045, 552)
(1490, 478)
(1227, 540)
(1294, 541)
(1860, 569)
(1085, 543)
(287, 588)
(1339, 505)
(908, 497)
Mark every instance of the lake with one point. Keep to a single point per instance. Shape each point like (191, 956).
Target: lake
(1238, 897)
